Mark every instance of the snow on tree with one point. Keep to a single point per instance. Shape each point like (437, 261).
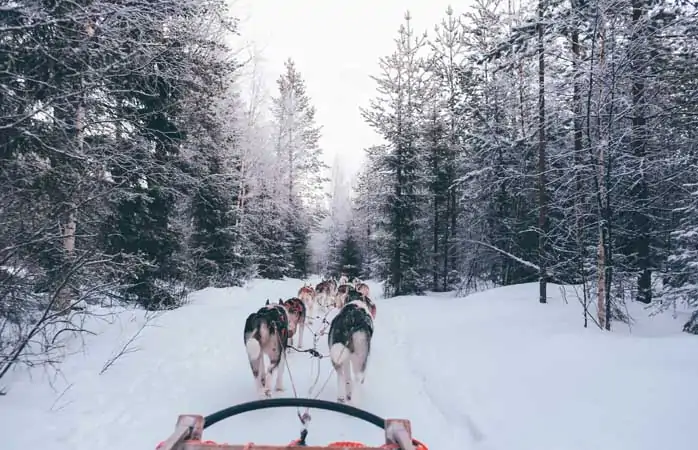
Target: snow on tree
(348, 259)
(681, 284)
(372, 187)
(395, 115)
(545, 109)
(99, 117)
(299, 165)
(334, 225)
(443, 138)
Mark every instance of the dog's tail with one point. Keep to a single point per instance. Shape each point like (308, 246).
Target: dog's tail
(339, 354)
(254, 349)
(254, 343)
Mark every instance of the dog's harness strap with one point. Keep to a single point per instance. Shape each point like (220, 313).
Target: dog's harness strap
(312, 351)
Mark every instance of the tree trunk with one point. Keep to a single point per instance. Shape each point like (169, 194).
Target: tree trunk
(69, 228)
(601, 283)
(638, 143)
(578, 162)
(542, 200)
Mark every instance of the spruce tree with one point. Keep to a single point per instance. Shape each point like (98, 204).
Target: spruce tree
(395, 115)
(349, 261)
(300, 169)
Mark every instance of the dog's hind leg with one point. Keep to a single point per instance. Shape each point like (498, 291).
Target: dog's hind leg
(310, 310)
(339, 355)
(341, 383)
(258, 374)
(359, 359)
(255, 356)
(280, 373)
(262, 378)
(348, 382)
(301, 330)
(357, 367)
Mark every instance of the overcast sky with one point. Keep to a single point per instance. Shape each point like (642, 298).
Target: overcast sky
(336, 45)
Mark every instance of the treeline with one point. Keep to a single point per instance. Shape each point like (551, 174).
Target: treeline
(132, 171)
(551, 141)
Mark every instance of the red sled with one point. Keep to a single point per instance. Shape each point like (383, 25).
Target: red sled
(188, 434)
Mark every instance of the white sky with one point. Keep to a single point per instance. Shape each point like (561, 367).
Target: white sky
(336, 45)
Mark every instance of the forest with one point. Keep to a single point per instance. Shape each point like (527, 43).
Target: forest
(551, 142)
(545, 141)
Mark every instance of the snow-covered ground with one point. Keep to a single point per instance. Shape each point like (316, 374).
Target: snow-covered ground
(494, 370)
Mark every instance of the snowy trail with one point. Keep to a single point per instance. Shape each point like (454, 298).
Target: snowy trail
(390, 391)
(194, 362)
(507, 374)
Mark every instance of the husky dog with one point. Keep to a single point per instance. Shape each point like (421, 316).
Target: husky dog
(355, 295)
(307, 295)
(333, 286)
(324, 293)
(343, 279)
(342, 293)
(297, 314)
(362, 288)
(266, 333)
(350, 343)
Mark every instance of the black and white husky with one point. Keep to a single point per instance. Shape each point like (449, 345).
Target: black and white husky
(267, 332)
(350, 343)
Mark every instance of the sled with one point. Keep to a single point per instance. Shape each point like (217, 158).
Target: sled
(188, 434)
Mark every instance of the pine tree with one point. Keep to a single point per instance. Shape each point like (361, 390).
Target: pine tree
(217, 251)
(349, 258)
(167, 103)
(444, 133)
(340, 214)
(681, 285)
(269, 236)
(299, 164)
(395, 116)
(215, 237)
(372, 187)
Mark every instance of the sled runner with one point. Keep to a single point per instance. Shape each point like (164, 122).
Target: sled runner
(189, 429)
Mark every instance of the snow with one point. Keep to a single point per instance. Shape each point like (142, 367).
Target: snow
(493, 370)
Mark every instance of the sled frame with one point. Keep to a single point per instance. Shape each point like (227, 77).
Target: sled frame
(189, 430)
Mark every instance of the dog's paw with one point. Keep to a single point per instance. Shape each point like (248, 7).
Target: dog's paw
(279, 389)
(341, 400)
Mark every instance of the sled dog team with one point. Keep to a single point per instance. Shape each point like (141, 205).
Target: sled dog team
(271, 330)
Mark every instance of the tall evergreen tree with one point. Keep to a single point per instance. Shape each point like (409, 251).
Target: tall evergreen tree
(96, 117)
(348, 260)
(395, 116)
(444, 134)
(269, 236)
(299, 165)
(144, 224)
